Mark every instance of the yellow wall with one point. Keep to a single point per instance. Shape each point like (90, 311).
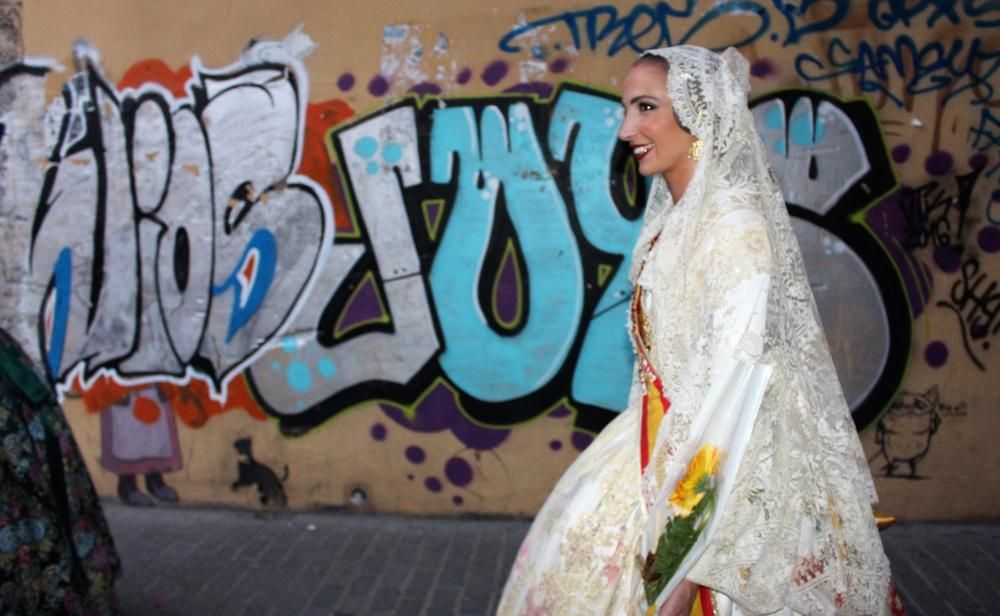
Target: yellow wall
(362, 365)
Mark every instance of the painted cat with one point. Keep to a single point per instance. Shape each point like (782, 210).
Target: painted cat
(251, 472)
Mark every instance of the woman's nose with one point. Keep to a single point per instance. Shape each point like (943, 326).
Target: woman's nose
(625, 131)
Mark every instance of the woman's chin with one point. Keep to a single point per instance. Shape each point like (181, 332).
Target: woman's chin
(648, 170)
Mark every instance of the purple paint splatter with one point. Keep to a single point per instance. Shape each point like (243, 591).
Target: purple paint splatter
(378, 86)
(978, 161)
(936, 354)
(948, 257)
(538, 88)
(581, 440)
(464, 76)
(433, 484)
(426, 88)
(901, 153)
(378, 432)
(457, 500)
(494, 72)
(410, 477)
(989, 239)
(415, 454)
(555, 445)
(939, 163)
(458, 472)
(345, 82)
(763, 68)
(559, 65)
(439, 411)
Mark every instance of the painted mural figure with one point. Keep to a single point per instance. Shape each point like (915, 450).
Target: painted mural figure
(56, 552)
(735, 478)
(252, 472)
(904, 432)
(139, 437)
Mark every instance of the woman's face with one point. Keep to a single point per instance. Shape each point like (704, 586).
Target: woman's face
(658, 142)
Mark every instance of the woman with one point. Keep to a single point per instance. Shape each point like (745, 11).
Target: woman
(56, 554)
(735, 476)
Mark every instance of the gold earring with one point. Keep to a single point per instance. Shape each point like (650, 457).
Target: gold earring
(694, 152)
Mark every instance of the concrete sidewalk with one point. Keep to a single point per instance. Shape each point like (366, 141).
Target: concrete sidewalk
(215, 562)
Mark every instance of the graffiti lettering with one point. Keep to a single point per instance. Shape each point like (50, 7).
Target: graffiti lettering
(889, 14)
(161, 244)
(481, 258)
(502, 166)
(975, 300)
(987, 139)
(798, 141)
(933, 216)
(509, 287)
(956, 66)
(494, 253)
(646, 26)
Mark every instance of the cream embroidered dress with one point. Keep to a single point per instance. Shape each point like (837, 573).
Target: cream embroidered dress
(725, 325)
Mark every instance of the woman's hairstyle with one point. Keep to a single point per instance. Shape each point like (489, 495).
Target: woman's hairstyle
(653, 60)
(663, 64)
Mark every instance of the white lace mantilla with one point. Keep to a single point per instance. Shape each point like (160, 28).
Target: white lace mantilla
(797, 531)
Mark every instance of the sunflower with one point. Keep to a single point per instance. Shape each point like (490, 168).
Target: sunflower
(696, 482)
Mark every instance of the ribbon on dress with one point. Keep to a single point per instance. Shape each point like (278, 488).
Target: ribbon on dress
(655, 403)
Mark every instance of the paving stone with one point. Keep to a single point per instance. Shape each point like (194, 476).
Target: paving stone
(225, 562)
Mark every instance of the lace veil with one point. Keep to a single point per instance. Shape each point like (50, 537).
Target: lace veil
(798, 530)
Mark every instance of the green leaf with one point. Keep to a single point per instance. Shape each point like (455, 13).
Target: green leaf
(677, 539)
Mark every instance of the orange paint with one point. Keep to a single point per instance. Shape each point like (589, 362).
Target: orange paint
(157, 71)
(191, 403)
(146, 410)
(194, 406)
(316, 165)
(103, 393)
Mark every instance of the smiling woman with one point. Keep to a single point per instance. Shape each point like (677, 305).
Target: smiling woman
(662, 146)
(734, 482)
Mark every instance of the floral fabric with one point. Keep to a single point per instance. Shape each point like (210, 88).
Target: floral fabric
(56, 554)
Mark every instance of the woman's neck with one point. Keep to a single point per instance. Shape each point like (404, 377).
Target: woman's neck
(679, 177)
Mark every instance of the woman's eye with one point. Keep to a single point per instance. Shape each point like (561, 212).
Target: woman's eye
(646, 107)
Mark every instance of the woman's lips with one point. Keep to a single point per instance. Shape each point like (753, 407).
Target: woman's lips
(640, 151)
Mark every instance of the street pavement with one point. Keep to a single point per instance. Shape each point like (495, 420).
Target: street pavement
(217, 562)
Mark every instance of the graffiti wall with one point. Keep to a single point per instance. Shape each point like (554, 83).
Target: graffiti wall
(290, 258)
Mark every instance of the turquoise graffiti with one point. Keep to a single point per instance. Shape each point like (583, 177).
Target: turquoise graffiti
(492, 247)
(489, 254)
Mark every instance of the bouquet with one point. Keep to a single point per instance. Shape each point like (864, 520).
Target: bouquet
(692, 504)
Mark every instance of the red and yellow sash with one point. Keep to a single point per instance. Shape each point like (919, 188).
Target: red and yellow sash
(655, 403)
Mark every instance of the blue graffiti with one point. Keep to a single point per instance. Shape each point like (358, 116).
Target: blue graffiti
(987, 139)
(249, 292)
(958, 65)
(645, 26)
(506, 156)
(603, 370)
(794, 11)
(889, 14)
(63, 282)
